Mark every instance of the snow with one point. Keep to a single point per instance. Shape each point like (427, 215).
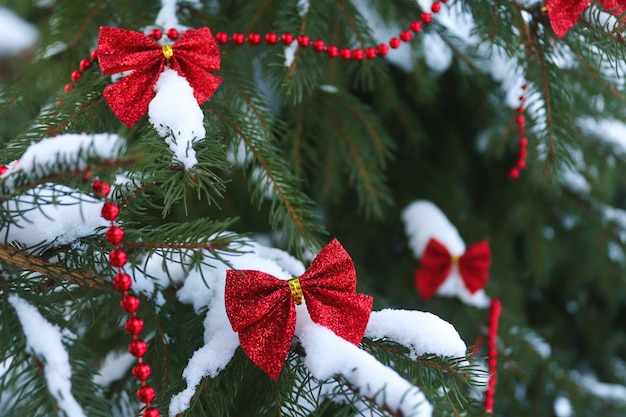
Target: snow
(327, 88)
(303, 7)
(48, 155)
(423, 220)
(166, 18)
(537, 342)
(53, 214)
(609, 130)
(420, 331)
(176, 116)
(16, 34)
(290, 53)
(45, 341)
(563, 407)
(114, 368)
(610, 392)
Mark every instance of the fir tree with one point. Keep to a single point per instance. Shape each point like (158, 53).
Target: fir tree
(331, 118)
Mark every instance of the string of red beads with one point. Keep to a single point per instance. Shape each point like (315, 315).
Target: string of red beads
(492, 346)
(130, 303)
(520, 121)
(333, 51)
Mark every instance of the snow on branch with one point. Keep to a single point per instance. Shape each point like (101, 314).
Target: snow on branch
(45, 341)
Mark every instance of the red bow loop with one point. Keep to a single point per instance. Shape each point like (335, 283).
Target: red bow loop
(437, 262)
(122, 50)
(262, 310)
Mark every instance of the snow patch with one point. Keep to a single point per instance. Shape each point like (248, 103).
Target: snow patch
(16, 34)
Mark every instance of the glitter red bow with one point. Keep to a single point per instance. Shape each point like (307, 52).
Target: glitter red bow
(436, 264)
(564, 14)
(262, 308)
(190, 56)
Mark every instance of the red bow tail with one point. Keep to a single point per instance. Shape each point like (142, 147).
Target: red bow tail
(564, 14)
(122, 50)
(474, 266)
(262, 310)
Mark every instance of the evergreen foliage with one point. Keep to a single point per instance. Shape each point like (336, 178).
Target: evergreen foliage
(297, 154)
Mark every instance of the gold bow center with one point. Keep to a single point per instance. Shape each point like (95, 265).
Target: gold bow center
(168, 52)
(455, 258)
(296, 290)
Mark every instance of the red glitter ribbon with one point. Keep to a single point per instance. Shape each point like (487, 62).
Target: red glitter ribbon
(564, 14)
(190, 56)
(262, 309)
(436, 264)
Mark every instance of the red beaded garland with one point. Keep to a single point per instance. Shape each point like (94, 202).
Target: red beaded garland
(271, 38)
(345, 53)
(114, 235)
(394, 43)
(93, 55)
(68, 88)
(416, 26)
(238, 38)
(156, 34)
(101, 188)
(110, 211)
(141, 371)
(286, 38)
(436, 7)
(134, 325)
(84, 64)
(520, 121)
(319, 45)
(358, 54)
(304, 41)
(406, 35)
(370, 53)
(146, 394)
(332, 51)
(426, 17)
(118, 258)
(138, 348)
(172, 33)
(151, 412)
(75, 75)
(383, 49)
(122, 281)
(130, 303)
(254, 38)
(221, 37)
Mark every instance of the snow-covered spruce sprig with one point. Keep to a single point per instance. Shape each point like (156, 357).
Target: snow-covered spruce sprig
(420, 332)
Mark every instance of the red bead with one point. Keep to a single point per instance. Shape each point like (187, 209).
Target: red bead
(286, 38)
(86, 176)
(114, 235)
(138, 348)
(521, 164)
(151, 412)
(520, 109)
(319, 45)
(523, 153)
(370, 53)
(271, 38)
(146, 394)
(172, 33)
(238, 38)
(358, 54)
(524, 86)
(110, 211)
(514, 173)
(406, 35)
(134, 325)
(254, 38)
(520, 120)
(436, 7)
(93, 55)
(142, 371)
(332, 51)
(59, 102)
(427, 17)
(345, 53)
(304, 41)
(76, 75)
(3, 169)
(122, 281)
(130, 303)
(383, 49)
(394, 42)
(118, 258)
(221, 37)
(156, 34)
(416, 26)
(101, 188)
(68, 88)
(84, 64)
(523, 142)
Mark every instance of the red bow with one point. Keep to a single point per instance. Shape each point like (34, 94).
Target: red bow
(564, 14)
(121, 50)
(436, 264)
(262, 308)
